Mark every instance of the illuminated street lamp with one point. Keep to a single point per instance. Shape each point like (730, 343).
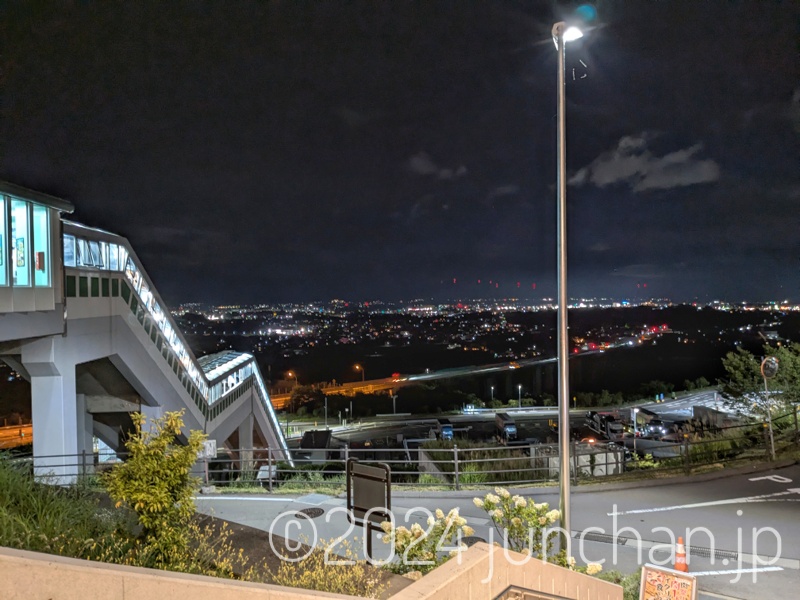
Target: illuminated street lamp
(635, 429)
(292, 374)
(363, 373)
(491, 388)
(561, 35)
(769, 368)
(519, 394)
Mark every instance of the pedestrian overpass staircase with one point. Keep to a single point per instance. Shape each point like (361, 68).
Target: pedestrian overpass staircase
(120, 352)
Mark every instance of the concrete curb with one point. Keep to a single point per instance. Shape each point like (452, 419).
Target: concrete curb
(607, 487)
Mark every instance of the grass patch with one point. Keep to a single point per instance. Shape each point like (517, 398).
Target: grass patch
(49, 518)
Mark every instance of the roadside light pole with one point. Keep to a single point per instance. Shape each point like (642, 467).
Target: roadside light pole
(635, 412)
(769, 368)
(519, 395)
(363, 373)
(491, 388)
(561, 35)
(326, 412)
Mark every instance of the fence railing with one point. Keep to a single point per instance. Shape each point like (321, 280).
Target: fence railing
(464, 464)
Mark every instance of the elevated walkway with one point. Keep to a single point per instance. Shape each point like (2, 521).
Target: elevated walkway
(119, 351)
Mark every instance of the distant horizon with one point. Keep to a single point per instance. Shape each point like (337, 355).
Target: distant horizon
(544, 300)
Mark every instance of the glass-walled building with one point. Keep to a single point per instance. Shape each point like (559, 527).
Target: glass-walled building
(30, 249)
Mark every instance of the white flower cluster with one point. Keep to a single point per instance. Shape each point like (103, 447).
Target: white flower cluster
(593, 568)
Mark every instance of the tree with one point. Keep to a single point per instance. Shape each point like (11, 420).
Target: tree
(155, 483)
(303, 395)
(746, 382)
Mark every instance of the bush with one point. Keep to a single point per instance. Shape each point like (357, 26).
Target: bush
(154, 482)
(527, 527)
(418, 549)
(630, 583)
(314, 572)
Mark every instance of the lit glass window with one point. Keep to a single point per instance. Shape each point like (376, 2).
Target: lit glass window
(21, 244)
(5, 255)
(84, 255)
(104, 254)
(97, 259)
(41, 247)
(69, 251)
(123, 257)
(113, 255)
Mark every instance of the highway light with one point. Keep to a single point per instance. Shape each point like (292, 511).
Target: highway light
(363, 373)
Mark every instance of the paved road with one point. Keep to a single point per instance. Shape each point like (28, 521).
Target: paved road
(16, 435)
(743, 514)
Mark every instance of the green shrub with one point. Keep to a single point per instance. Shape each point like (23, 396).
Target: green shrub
(630, 583)
(155, 483)
(314, 572)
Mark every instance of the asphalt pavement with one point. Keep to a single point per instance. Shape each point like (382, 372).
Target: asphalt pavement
(741, 527)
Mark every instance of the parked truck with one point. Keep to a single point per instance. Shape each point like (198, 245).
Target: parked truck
(604, 424)
(444, 430)
(505, 428)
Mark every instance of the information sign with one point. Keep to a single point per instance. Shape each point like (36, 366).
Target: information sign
(660, 583)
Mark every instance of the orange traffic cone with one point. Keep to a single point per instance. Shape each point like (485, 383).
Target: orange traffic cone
(680, 557)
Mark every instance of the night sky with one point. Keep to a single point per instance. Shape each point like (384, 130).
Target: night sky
(292, 151)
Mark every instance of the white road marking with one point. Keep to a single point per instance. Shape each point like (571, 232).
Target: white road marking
(775, 478)
(762, 498)
(248, 498)
(734, 571)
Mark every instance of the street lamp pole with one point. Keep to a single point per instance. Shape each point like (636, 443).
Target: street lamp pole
(492, 392)
(769, 368)
(326, 412)
(363, 373)
(519, 394)
(560, 35)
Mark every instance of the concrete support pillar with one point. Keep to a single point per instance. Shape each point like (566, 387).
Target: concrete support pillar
(151, 413)
(85, 436)
(58, 428)
(246, 446)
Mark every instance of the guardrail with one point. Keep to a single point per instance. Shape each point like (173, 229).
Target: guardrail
(447, 465)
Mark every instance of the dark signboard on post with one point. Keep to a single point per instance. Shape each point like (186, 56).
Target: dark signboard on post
(369, 489)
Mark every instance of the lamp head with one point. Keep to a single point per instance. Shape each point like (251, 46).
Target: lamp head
(572, 34)
(568, 34)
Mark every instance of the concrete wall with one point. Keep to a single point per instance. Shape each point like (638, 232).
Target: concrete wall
(482, 572)
(35, 576)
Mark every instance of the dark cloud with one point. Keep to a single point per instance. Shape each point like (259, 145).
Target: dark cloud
(633, 164)
(297, 150)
